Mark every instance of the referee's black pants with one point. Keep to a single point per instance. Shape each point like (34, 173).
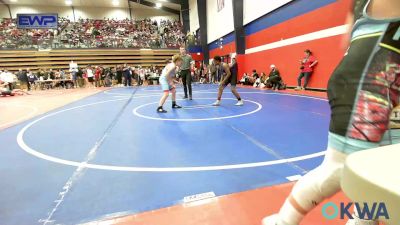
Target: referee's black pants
(187, 82)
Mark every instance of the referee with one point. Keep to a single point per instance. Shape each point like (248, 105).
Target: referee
(185, 72)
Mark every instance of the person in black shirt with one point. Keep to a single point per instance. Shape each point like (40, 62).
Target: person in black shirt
(127, 75)
(229, 78)
(51, 74)
(254, 77)
(23, 78)
(119, 75)
(274, 78)
(102, 76)
(40, 73)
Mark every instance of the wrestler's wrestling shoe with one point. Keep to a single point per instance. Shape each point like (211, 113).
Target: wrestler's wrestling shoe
(270, 220)
(239, 103)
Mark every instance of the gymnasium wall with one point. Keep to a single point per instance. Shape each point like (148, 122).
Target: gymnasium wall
(4, 11)
(219, 23)
(224, 46)
(88, 12)
(100, 13)
(254, 9)
(281, 36)
(62, 11)
(153, 14)
(193, 15)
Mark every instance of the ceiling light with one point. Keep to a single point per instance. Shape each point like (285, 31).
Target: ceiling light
(158, 5)
(115, 2)
(13, 0)
(68, 2)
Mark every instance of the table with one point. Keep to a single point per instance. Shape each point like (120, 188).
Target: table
(52, 83)
(154, 79)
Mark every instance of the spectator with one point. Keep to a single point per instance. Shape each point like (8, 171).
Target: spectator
(90, 33)
(245, 79)
(32, 78)
(274, 78)
(263, 80)
(40, 74)
(307, 67)
(119, 75)
(107, 77)
(127, 75)
(73, 68)
(57, 75)
(140, 76)
(257, 81)
(203, 73)
(213, 73)
(97, 75)
(23, 78)
(8, 79)
(90, 76)
(190, 38)
(4, 89)
(102, 76)
(254, 77)
(51, 75)
(195, 74)
(62, 74)
(80, 77)
(46, 75)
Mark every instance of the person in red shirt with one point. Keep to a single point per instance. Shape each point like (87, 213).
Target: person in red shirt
(307, 68)
(97, 76)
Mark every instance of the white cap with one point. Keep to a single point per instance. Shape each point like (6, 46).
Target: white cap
(272, 66)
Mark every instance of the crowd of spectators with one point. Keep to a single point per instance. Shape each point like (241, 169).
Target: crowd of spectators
(79, 77)
(92, 33)
(13, 38)
(213, 74)
(273, 80)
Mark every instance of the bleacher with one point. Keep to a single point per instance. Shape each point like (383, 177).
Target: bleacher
(60, 58)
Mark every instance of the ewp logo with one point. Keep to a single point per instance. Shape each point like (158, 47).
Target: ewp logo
(37, 21)
(378, 211)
